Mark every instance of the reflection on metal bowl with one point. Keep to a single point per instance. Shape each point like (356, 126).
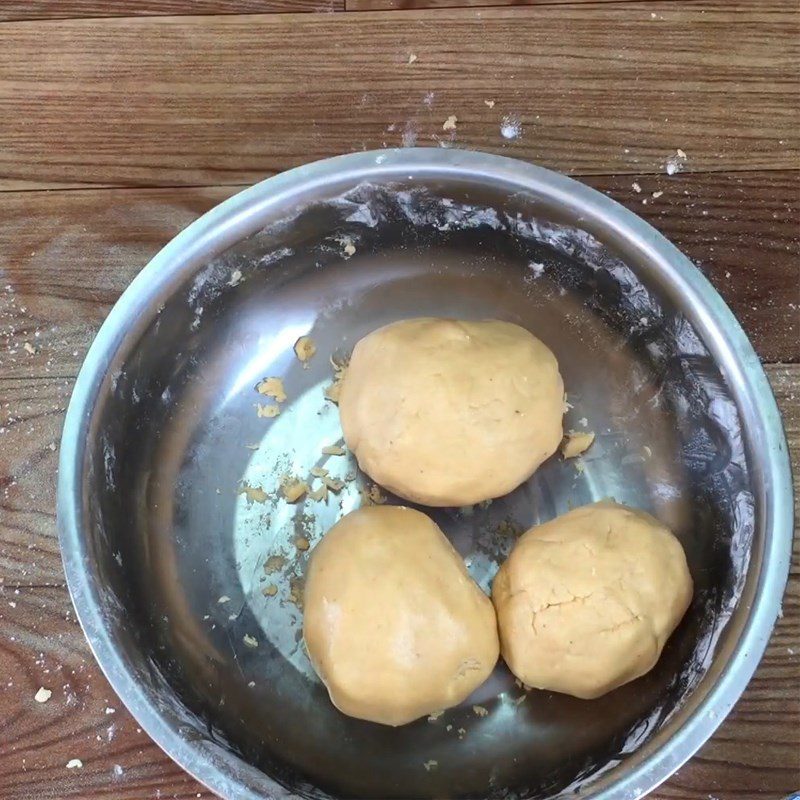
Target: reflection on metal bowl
(189, 589)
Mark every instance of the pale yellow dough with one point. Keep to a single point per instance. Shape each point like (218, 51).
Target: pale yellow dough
(450, 413)
(393, 624)
(586, 602)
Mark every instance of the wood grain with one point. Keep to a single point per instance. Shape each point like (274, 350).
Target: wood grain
(68, 255)
(592, 88)
(29, 554)
(754, 754)
(41, 645)
(14, 10)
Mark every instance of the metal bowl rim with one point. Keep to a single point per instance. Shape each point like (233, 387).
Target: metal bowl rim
(232, 219)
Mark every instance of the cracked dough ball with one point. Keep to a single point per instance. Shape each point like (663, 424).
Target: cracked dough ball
(586, 602)
(449, 413)
(393, 624)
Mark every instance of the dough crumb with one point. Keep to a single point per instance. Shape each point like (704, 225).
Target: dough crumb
(333, 484)
(320, 494)
(411, 58)
(253, 494)
(436, 714)
(348, 247)
(480, 711)
(274, 563)
(449, 728)
(372, 496)
(293, 489)
(236, 277)
(296, 592)
(636, 187)
(29, 348)
(676, 163)
(301, 543)
(332, 392)
(576, 442)
(461, 732)
(304, 349)
(43, 695)
(249, 640)
(333, 450)
(272, 387)
(319, 472)
(489, 103)
(520, 700)
(224, 599)
(450, 123)
(429, 765)
(74, 763)
(270, 590)
(267, 410)
(508, 528)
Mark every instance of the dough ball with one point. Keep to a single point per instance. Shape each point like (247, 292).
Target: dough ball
(394, 625)
(449, 413)
(586, 602)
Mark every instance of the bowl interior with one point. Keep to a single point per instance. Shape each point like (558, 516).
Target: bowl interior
(185, 553)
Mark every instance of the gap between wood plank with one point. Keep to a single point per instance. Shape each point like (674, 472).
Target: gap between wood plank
(595, 89)
(134, 187)
(422, 6)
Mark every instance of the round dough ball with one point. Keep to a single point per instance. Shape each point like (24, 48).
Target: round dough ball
(449, 413)
(394, 625)
(586, 602)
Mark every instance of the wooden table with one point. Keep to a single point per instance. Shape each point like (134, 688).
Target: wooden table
(121, 122)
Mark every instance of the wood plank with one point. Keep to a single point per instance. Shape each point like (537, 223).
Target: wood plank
(68, 255)
(41, 645)
(15, 10)
(31, 415)
(585, 88)
(754, 754)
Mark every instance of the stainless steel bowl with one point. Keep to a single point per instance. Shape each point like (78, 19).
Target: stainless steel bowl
(163, 429)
